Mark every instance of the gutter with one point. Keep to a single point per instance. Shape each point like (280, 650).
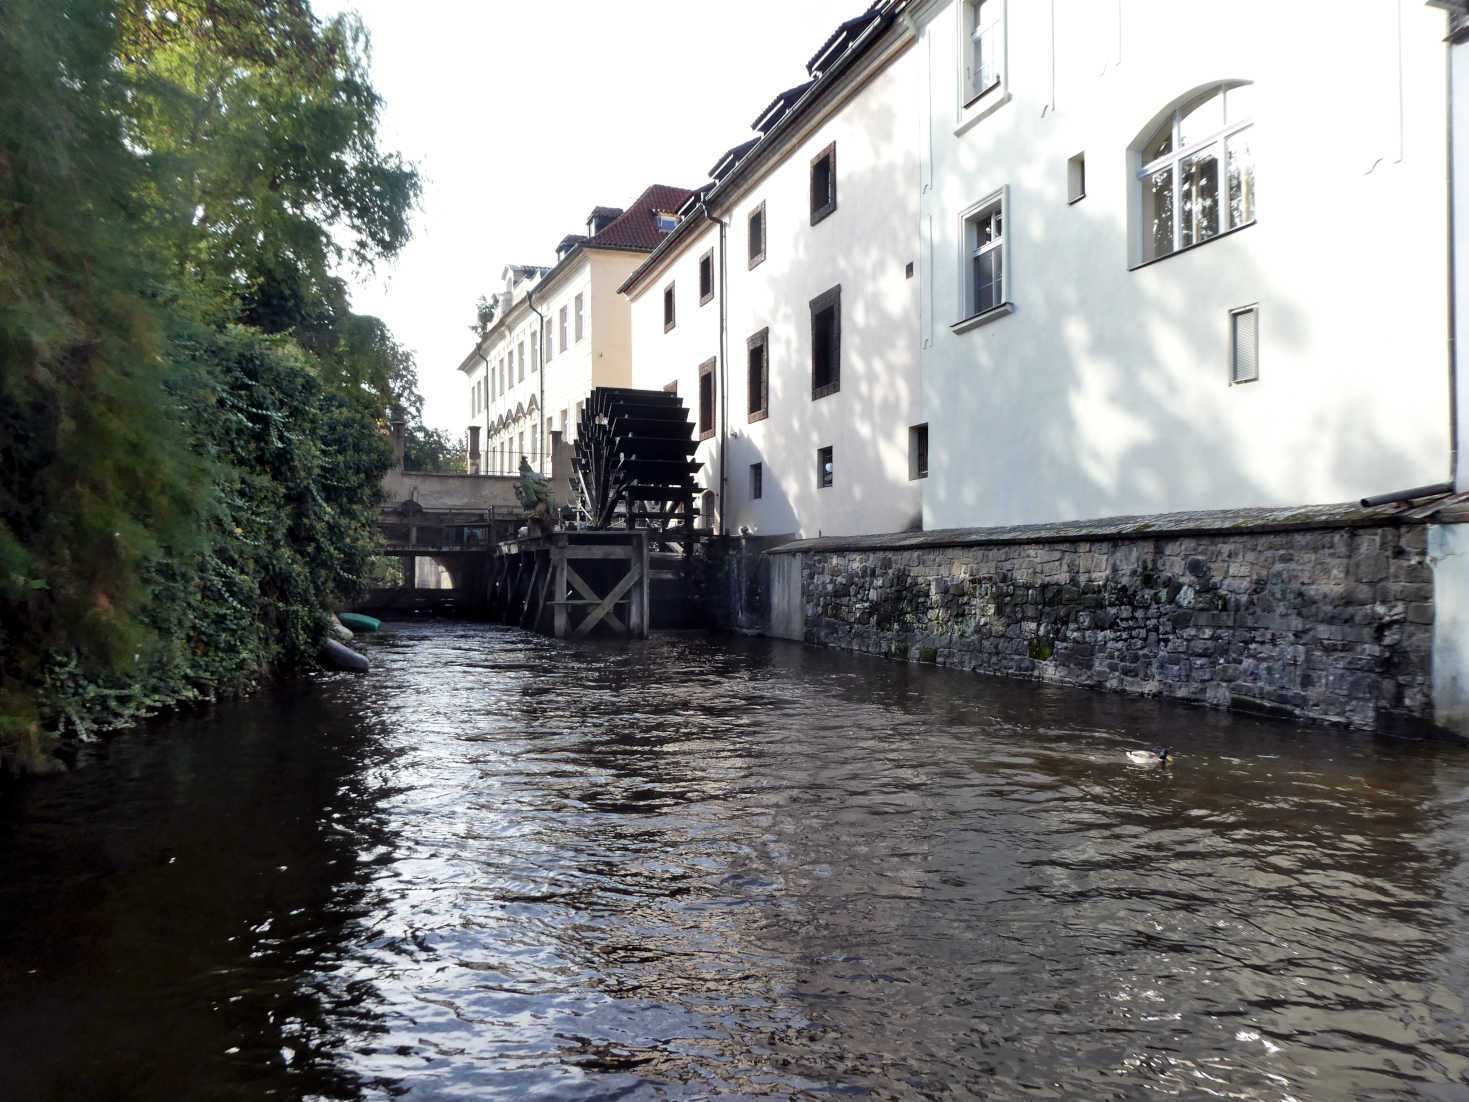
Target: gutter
(797, 112)
(723, 359)
(1453, 335)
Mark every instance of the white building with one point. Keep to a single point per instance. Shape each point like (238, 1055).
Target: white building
(784, 306)
(558, 332)
(1177, 257)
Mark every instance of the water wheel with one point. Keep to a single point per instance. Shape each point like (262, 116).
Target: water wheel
(634, 460)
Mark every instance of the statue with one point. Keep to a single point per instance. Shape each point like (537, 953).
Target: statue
(533, 491)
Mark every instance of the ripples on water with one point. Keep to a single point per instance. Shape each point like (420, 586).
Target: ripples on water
(498, 866)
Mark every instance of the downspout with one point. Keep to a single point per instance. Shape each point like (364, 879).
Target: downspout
(723, 360)
(540, 346)
(1453, 260)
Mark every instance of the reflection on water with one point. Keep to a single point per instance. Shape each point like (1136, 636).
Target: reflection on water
(502, 866)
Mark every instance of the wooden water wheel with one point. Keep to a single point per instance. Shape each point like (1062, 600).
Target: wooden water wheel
(634, 460)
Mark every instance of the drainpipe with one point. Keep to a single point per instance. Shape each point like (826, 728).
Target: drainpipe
(723, 359)
(1408, 495)
(1453, 260)
(540, 345)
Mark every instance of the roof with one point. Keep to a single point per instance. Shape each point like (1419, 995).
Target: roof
(778, 107)
(635, 227)
(730, 157)
(845, 33)
(850, 41)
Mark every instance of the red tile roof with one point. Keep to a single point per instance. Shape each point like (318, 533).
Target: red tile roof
(635, 227)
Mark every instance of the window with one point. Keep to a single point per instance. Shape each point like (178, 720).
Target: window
(984, 40)
(668, 318)
(563, 328)
(546, 341)
(826, 343)
(546, 439)
(757, 235)
(918, 451)
(757, 479)
(581, 325)
(504, 375)
(984, 257)
(706, 399)
(1076, 178)
(758, 378)
(520, 359)
(1196, 173)
(474, 400)
(533, 453)
(520, 443)
(706, 509)
(563, 424)
(666, 223)
(706, 277)
(823, 467)
(1244, 345)
(823, 183)
(535, 349)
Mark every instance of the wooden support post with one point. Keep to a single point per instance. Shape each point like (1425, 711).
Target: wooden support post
(593, 600)
(605, 608)
(560, 621)
(637, 612)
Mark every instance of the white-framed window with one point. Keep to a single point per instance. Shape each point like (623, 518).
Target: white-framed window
(1195, 172)
(535, 349)
(984, 46)
(984, 278)
(581, 330)
(562, 319)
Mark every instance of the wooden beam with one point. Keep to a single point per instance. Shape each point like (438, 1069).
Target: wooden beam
(560, 621)
(594, 599)
(630, 579)
(530, 591)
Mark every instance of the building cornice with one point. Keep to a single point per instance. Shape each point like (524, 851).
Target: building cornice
(826, 97)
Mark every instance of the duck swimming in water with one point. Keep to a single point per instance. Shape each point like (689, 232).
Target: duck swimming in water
(1161, 756)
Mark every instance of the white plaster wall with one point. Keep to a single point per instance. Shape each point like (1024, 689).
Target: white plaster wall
(1448, 553)
(1107, 391)
(863, 246)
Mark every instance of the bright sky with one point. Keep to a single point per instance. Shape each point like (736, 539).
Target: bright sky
(522, 117)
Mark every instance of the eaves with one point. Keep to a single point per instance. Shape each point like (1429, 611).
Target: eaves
(826, 96)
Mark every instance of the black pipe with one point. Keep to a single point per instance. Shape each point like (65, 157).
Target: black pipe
(723, 360)
(1408, 495)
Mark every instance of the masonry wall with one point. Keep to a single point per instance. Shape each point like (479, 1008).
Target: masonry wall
(1325, 624)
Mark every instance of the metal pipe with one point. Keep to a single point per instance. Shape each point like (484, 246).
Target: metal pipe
(1408, 495)
(723, 360)
(540, 346)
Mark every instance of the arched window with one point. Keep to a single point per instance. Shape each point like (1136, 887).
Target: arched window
(1196, 171)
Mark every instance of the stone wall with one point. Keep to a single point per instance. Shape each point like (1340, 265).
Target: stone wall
(1331, 624)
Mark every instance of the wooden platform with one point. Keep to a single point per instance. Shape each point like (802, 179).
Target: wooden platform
(570, 584)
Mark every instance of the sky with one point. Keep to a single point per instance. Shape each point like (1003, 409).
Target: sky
(523, 117)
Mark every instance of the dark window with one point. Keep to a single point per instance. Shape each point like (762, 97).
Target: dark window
(667, 308)
(918, 451)
(757, 480)
(757, 235)
(706, 399)
(823, 467)
(826, 343)
(706, 277)
(758, 380)
(824, 183)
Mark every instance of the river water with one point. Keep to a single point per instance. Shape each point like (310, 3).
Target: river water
(499, 866)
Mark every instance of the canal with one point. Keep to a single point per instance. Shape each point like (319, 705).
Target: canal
(502, 867)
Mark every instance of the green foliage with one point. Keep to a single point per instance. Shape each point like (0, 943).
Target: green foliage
(191, 418)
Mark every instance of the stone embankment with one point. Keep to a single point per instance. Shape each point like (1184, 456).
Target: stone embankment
(1323, 614)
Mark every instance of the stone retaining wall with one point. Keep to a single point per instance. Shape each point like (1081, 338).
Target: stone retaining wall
(1330, 624)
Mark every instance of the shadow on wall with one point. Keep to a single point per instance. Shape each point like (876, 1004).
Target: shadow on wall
(1070, 409)
(864, 247)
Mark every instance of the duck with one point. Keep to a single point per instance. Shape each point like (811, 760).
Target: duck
(1161, 756)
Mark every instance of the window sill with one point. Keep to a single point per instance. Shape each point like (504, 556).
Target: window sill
(756, 261)
(821, 214)
(759, 415)
(707, 434)
(982, 108)
(1190, 248)
(976, 320)
(707, 299)
(824, 390)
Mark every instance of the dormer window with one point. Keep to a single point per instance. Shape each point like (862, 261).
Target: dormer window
(665, 223)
